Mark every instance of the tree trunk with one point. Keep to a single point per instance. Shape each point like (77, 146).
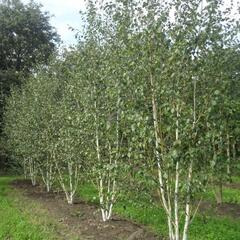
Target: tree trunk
(219, 193)
(187, 207)
(32, 170)
(228, 159)
(176, 200)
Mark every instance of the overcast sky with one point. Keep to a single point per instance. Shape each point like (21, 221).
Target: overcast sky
(66, 13)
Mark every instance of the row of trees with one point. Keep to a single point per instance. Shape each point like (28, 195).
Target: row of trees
(26, 39)
(150, 92)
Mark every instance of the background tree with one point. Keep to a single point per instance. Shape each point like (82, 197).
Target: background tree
(26, 39)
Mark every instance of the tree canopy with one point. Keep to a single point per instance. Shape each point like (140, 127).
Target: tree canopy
(26, 39)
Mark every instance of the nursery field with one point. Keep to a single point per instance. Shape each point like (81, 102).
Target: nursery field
(29, 212)
(132, 133)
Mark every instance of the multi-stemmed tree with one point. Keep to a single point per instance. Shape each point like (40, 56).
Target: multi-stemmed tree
(145, 94)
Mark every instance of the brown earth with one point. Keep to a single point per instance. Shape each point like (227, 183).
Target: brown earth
(82, 218)
(224, 209)
(211, 208)
(232, 185)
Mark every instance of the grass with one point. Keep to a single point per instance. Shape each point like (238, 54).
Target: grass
(20, 222)
(22, 219)
(229, 195)
(204, 227)
(236, 179)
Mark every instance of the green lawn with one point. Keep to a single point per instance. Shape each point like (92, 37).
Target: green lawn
(22, 219)
(229, 195)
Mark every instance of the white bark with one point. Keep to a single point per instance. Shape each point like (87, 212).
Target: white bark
(187, 207)
(164, 193)
(107, 193)
(25, 171)
(228, 158)
(73, 179)
(234, 151)
(48, 173)
(190, 171)
(100, 178)
(32, 171)
(176, 191)
(107, 180)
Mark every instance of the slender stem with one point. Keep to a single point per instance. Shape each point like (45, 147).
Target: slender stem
(228, 158)
(187, 207)
(176, 182)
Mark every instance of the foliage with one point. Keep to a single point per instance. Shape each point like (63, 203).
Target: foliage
(143, 101)
(26, 40)
(26, 36)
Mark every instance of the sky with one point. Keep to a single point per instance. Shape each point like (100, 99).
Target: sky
(66, 14)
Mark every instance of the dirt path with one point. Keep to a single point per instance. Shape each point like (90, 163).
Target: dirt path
(224, 209)
(232, 185)
(83, 218)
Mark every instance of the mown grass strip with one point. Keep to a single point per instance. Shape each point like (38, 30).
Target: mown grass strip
(24, 219)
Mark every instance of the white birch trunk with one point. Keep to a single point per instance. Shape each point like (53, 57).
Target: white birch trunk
(100, 178)
(25, 171)
(228, 158)
(187, 207)
(165, 202)
(176, 191)
(190, 172)
(73, 179)
(32, 171)
(47, 174)
(107, 181)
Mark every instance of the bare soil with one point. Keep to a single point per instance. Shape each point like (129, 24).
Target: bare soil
(224, 209)
(83, 218)
(232, 185)
(207, 207)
